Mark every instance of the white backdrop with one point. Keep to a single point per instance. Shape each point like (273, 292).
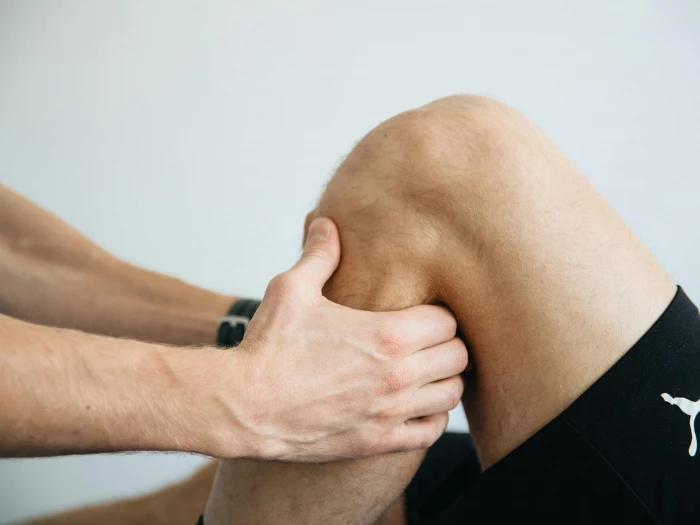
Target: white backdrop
(192, 137)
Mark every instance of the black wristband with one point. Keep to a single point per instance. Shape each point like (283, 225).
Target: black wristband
(232, 327)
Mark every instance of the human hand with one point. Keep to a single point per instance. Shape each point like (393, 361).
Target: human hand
(324, 382)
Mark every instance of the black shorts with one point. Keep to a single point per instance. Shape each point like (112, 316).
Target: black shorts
(623, 453)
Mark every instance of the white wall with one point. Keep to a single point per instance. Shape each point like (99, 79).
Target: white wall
(192, 137)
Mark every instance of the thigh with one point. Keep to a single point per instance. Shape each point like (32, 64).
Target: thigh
(465, 202)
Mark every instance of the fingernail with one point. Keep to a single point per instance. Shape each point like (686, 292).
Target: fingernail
(319, 231)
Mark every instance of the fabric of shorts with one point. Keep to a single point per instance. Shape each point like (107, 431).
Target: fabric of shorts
(448, 466)
(622, 453)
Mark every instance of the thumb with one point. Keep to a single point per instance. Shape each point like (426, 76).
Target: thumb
(321, 253)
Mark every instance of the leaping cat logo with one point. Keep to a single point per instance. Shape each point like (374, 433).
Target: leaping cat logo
(691, 408)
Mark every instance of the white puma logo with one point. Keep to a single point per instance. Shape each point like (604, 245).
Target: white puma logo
(691, 408)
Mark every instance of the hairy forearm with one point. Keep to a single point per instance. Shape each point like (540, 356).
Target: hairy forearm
(67, 392)
(51, 274)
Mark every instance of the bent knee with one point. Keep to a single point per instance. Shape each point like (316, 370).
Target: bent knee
(449, 160)
(454, 142)
(463, 175)
(462, 135)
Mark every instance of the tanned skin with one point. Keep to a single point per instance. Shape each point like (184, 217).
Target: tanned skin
(465, 203)
(312, 381)
(45, 262)
(308, 383)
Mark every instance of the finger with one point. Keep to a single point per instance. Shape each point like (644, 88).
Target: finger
(436, 398)
(418, 327)
(420, 433)
(439, 362)
(321, 254)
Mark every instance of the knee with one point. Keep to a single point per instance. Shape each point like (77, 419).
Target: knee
(429, 166)
(396, 196)
(458, 175)
(459, 142)
(459, 136)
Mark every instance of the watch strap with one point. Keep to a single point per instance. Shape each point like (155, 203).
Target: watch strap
(232, 327)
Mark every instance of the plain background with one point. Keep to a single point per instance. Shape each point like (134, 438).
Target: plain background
(192, 137)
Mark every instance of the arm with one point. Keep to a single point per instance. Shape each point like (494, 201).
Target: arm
(51, 274)
(63, 391)
(68, 392)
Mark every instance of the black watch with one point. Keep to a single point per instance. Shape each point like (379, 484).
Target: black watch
(232, 327)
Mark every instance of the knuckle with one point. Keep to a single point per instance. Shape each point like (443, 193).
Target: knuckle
(389, 412)
(395, 381)
(371, 445)
(390, 343)
(363, 448)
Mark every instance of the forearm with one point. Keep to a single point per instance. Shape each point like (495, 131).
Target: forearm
(51, 274)
(119, 300)
(67, 392)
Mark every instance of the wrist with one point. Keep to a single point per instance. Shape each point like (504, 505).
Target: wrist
(98, 394)
(214, 399)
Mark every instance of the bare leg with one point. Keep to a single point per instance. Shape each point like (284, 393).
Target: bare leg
(465, 202)
(247, 491)
(349, 492)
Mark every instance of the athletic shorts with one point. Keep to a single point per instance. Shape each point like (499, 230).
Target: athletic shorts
(625, 452)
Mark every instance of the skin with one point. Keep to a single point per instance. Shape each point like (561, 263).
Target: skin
(45, 262)
(102, 394)
(354, 385)
(466, 203)
(479, 211)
